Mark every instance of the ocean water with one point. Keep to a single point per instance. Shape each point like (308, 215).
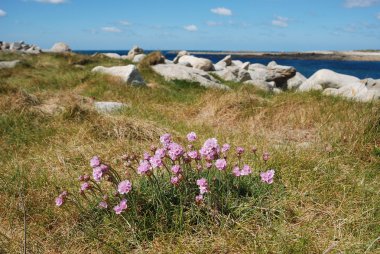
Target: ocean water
(360, 69)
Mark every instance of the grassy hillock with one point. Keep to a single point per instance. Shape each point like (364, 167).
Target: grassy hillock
(326, 151)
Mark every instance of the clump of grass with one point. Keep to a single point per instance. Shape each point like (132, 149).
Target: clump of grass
(152, 59)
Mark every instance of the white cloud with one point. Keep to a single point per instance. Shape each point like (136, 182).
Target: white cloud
(222, 11)
(191, 28)
(111, 29)
(125, 23)
(280, 21)
(2, 13)
(51, 1)
(360, 3)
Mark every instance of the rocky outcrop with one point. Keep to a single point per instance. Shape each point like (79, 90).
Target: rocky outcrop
(128, 74)
(280, 74)
(197, 62)
(296, 81)
(112, 55)
(179, 55)
(235, 74)
(8, 64)
(136, 50)
(60, 47)
(138, 58)
(19, 47)
(180, 72)
(337, 84)
(223, 63)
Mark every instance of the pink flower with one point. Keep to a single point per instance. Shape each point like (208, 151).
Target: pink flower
(191, 136)
(175, 151)
(210, 149)
(146, 156)
(166, 139)
(175, 180)
(236, 171)
(97, 173)
(60, 200)
(85, 186)
(199, 198)
(239, 150)
(156, 161)
(144, 167)
(193, 154)
(176, 169)
(208, 165)
(124, 187)
(121, 207)
(225, 148)
(103, 204)
(203, 185)
(104, 168)
(246, 171)
(161, 153)
(95, 162)
(266, 156)
(221, 164)
(267, 177)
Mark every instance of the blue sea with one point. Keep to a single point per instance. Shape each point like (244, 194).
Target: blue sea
(360, 69)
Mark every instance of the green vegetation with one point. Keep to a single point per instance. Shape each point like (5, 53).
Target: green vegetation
(326, 151)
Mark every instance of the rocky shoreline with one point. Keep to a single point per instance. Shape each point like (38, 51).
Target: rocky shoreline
(185, 66)
(316, 55)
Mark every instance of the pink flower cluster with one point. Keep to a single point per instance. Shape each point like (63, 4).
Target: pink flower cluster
(99, 169)
(60, 200)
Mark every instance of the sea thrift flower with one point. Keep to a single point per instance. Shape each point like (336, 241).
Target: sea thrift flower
(175, 180)
(239, 150)
(103, 204)
(267, 177)
(221, 164)
(166, 139)
(85, 186)
(193, 154)
(175, 151)
(236, 171)
(144, 167)
(191, 136)
(146, 156)
(160, 152)
(208, 165)
(266, 156)
(210, 149)
(60, 200)
(97, 173)
(121, 207)
(156, 161)
(225, 148)
(95, 162)
(246, 171)
(203, 186)
(199, 199)
(124, 187)
(176, 169)
(254, 149)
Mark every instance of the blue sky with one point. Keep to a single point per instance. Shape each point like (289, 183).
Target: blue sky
(262, 25)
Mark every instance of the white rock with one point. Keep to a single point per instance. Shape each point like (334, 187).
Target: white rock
(136, 50)
(225, 61)
(236, 63)
(245, 66)
(296, 81)
(8, 64)
(197, 62)
(60, 47)
(179, 55)
(129, 74)
(272, 64)
(261, 84)
(327, 79)
(234, 74)
(180, 72)
(138, 58)
(106, 107)
(168, 61)
(256, 65)
(112, 55)
(187, 64)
